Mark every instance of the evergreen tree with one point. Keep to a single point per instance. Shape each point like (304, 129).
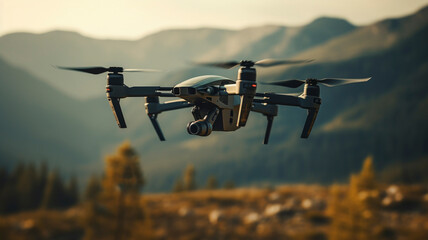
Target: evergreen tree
(178, 185)
(92, 189)
(54, 195)
(212, 183)
(26, 187)
(229, 184)
(4, 175)
(4, 178)
(189, 178)
(9, 199)
(72, 192)
(42, 179)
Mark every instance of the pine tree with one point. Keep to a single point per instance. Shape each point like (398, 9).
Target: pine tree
(4, 175)
(178, 185)
(72, 192)
(9, 198)
(26, 187)
(189, 178)
(54, 195)
(229, 184)
(212, 183)
(42, 179)
(92, 189)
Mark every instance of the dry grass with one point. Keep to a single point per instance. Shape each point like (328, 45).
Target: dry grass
(287, 212)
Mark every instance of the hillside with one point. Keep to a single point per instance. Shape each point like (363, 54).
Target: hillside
(384, 117)
(166, 50)
(40, 123)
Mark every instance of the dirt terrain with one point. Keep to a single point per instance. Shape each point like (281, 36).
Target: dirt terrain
(285, 212)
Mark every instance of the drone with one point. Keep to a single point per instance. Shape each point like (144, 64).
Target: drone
(218, 103)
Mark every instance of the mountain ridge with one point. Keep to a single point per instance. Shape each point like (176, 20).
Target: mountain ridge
(330, 154)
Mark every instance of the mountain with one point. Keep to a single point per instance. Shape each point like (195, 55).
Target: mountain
(40, 123)
(166, 50)
(384, 117)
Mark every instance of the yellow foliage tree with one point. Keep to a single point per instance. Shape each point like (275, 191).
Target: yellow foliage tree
(117, 212)
(189, 178)
(355, 213)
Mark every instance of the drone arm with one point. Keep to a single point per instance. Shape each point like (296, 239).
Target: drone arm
(116, 92)
(156, 107)
(230, 89)
(281, 99)
(311, 103)
(265, 109)
(149, 91)
(123, 91)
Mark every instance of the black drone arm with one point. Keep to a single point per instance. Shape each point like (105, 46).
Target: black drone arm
(153, 107)
(123, 91)
(278, 98)
(116, 92)
(311, 103)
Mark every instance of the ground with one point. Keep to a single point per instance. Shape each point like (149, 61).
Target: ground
(284, 212)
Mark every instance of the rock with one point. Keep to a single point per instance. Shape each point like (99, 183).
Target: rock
(251, 218)
(216, 216)
(276, 210)
(27, 224)
(307, 204)
(185, 212)
(274, 196)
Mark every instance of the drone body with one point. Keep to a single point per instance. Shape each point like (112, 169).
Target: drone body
(218, 103)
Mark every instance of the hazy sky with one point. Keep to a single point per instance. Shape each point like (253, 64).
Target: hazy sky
(131, 19)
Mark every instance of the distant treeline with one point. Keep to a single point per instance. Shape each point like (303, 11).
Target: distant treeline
(28, 187)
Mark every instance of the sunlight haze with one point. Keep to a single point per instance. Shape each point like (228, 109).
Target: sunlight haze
(132, 19)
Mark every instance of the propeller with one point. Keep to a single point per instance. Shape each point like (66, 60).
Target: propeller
(99, 70)
(329, 82)
(246, 63)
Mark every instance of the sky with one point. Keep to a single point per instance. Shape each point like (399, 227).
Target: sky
(133, 19)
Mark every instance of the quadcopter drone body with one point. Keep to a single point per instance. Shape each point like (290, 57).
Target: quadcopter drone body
(219, 103)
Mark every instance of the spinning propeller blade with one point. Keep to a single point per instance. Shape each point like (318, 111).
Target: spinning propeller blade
(329, 82)
(272, 62)
(293, 83)
(91, 70)
(227, 65)
(99, 70)
(262, 63)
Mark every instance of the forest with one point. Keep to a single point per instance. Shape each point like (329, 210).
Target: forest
(37, 203)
